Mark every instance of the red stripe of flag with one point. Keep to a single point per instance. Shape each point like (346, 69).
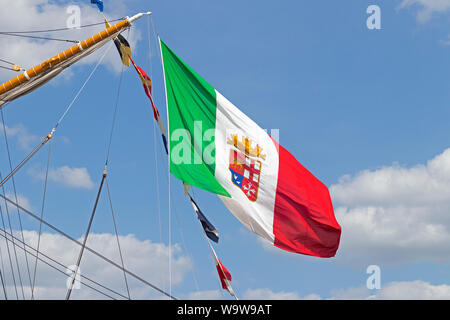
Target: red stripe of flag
(304, 220)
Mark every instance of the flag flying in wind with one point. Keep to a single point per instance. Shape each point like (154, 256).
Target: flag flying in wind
(124, 49)
(224, 274)
(147, 84)
(216, 147)
(210, 230)
(99, 4)
(122, 45)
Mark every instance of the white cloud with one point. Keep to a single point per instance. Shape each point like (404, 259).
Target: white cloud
(268, 294)
(427, 8)
(70, 177)
(414, 290)
(25, 140)
(21, 200)
(397, 290)
(42, 14)
(393, 185)
(251, 294)
(395, 214)
(145, 258)
(206, 295)
(446, 41)
(358, 293)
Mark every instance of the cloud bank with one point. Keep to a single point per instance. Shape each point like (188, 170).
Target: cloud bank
(145, 258)
(395, 214)
(426, 9)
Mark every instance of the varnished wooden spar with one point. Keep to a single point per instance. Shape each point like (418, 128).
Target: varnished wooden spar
(67, 54)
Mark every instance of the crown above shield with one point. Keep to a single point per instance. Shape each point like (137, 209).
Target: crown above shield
(245, 146)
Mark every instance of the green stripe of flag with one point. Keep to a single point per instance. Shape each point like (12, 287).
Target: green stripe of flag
(191, 104)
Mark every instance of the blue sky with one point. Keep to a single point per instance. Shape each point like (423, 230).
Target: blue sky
(367, 105)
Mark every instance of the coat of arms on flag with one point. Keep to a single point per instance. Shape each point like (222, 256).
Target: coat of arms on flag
(245, 165)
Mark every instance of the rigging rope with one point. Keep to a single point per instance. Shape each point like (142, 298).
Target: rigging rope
(177, 216)
(156, 36)
(14, 245)
(158, 196)
(9, 255)
(3, 285)
(116, 107)
(15, 194)
(7, 62)
(11, 69)
(170, 234)
(2, 270)
(83, 86)
(63, 266)
(64, 29)
(34, 37)
(3, 282)
(210, 247)
(169, 202)
(154, 135)
(117, 237)
(69, 291)
(213, 252)
(86, 247)
(40, 223)
(177, 219)
(14, 67)
(28, 157)
(50, 135)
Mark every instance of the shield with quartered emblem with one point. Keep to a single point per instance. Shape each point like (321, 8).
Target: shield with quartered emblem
(245, 167)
